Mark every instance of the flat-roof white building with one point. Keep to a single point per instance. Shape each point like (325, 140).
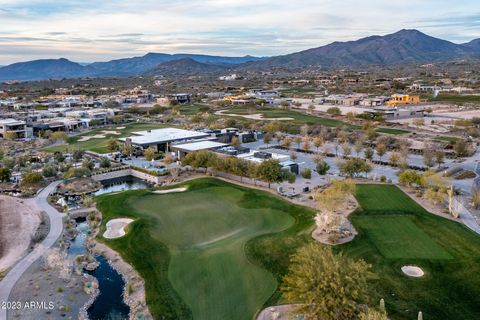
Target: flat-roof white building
(14, 126)
(185, 148)
(160, 139)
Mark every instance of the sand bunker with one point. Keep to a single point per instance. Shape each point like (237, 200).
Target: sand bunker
(120, 128)
(116, 228)
(413, 271)
(170, 191)
(97, 136)
(110, 132)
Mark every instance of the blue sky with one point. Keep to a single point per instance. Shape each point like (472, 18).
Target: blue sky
(89, 30)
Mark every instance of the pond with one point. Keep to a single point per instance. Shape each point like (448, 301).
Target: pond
(109, 303)
(122, 184)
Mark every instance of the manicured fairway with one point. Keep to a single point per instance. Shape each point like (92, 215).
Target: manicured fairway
(300, 118)
(190, 246)
(101, 145)
(399, 237)
(395, 231)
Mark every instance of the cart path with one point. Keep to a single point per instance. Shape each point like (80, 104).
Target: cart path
(56, 227)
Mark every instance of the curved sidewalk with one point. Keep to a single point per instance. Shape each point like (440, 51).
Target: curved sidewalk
(56, 228)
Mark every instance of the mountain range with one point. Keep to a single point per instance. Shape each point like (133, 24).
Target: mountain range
(402, 47)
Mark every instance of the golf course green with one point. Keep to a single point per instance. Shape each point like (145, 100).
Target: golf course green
(190, 246)
(395, 231)
(218, 250)
(100, 145)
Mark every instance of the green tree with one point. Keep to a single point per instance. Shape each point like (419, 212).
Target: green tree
(289, 176)
(112, 145)
(58, 136)
(236, 142)
(58, 156)
(410, 177)
(429, 157)
(149, 154)
(461, 148)
(381, 150)
(32, 178)
(267, 138)
(8, 162)
(5, 174)
(394, 159)
(354, 167)
(89, 164)
(78, 154)
(334, 111)
(105, 162)
(201, 159)
(439, 157)
(306, 173)
(328, 286)
(317, 142)
(49, 171)
(270, 171)
(10, 135)
(322, 167)
(77, 172)
(369, 154)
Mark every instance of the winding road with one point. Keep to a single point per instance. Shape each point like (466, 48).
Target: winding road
(56, 228)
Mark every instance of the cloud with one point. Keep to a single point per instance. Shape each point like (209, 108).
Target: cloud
(92, 30)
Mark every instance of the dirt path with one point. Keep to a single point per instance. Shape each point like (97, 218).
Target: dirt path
(56, 228)
(19, 219)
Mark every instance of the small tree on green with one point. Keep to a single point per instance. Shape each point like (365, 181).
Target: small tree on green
(328, 286)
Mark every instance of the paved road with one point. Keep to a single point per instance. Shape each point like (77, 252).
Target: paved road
(56, 227)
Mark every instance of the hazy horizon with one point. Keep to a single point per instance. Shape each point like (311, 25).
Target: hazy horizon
(86, 31)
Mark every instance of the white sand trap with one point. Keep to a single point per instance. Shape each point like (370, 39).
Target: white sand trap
(110, 132)
(120, 128)
(176, 190)
(116, 228)
(413, 271)
(97, 136)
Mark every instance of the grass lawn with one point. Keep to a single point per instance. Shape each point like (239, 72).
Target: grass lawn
(189, 109)
(395, 231)
(301, 118)
(392, 131)
(200, 250)
(218, 251)
(456, 98)
(100, 145)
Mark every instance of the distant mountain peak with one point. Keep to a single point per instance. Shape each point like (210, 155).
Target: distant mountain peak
(406, 46)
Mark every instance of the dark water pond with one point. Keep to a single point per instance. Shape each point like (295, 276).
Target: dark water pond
(122, 184)
(109, 304)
